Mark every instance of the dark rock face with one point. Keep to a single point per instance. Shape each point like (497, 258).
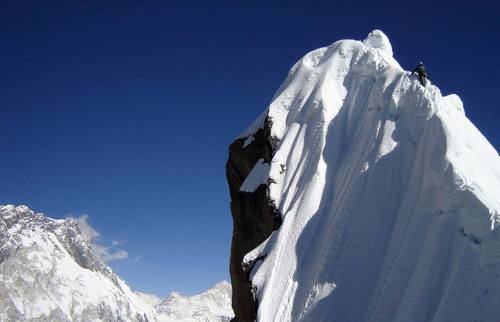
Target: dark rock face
(254, 216)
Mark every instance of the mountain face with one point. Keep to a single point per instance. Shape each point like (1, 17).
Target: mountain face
(255, 217)
(213, 305)
(360, 195)
(49, 272)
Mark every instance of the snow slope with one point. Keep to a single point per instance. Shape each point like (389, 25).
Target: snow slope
(213, 305)
(389, 197)
(49, 272)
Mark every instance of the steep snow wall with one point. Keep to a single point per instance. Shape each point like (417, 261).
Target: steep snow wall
(389, 197)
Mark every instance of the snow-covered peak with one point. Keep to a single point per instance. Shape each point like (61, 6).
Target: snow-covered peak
(389, 197)
(49, 272)
(212, 305)
(311, 77)
(377, 39)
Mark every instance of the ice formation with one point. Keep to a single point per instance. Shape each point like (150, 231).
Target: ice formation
(389, 196)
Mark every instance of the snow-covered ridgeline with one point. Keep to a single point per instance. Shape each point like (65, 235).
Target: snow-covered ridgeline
(212, 305)
(389, 195)
(49, 272)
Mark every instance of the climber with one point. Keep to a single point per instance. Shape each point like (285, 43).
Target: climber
(422, 75)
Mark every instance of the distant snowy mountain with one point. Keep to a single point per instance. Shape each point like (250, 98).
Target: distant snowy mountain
(212, 305)
(49, 272)
(359, 195)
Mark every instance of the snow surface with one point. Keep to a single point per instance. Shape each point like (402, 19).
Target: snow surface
(255, 126)
(257, 176)
(212, 305)
(389, 199)
(49, 272)
(149, 299)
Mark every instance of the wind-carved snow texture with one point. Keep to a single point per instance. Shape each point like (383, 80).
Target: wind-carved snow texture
(48, 272)
(389, 196)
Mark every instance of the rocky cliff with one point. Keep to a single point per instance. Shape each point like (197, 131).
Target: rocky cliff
(254, 215)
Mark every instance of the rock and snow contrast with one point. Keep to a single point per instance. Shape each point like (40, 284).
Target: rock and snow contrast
(49, 272)
(360, 195)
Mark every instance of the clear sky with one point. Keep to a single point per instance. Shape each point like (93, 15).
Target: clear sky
(124, 110)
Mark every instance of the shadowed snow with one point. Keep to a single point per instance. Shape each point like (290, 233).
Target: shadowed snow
(388, 200)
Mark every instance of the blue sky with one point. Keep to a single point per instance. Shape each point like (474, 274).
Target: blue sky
(125, 112)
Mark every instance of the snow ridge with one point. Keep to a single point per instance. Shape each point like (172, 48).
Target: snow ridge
(48, 272)
(212, 305)
(389, 197)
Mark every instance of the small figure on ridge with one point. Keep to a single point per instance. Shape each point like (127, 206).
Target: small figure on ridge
(422, 75)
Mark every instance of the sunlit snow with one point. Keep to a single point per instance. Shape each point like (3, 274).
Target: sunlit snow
(389, 199)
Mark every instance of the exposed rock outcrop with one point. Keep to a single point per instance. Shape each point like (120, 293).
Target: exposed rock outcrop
(254, 215)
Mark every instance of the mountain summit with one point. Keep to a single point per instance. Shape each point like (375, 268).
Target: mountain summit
(360, 195)
(49, 272)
